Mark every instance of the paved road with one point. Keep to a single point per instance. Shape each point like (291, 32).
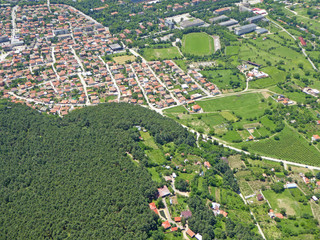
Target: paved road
(112, 78)
(13, 16)
(199, 86)
(83, 82)
(48, 4)
(217, 45)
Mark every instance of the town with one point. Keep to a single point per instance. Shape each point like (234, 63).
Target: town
(237, 81)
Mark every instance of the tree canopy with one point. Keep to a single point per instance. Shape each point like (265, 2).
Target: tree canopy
(73, 177)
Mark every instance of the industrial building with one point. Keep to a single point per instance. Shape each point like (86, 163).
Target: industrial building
(222, 10)
(245, 29)
(4, 39)
(169, 24)
(192, 23)
(218, 19)
(116, 47)
(261, 31)
(228, 23)
(255, 19)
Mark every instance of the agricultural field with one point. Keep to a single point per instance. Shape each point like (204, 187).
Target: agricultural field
(152, 54)
(198, 44)
(291, 146)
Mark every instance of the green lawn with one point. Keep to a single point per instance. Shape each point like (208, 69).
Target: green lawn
(232, 50)
(182, 64)
(161, 53)
(199, 44)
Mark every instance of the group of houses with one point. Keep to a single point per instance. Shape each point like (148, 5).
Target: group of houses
(58, 52)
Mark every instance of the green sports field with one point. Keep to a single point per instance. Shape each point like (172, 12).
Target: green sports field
(198, 44)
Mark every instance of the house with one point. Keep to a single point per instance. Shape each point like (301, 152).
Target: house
(271, 213)
(164, 191)
(177, 219)
(279, 215)
(166, 225)
(260, 197)
(315, 138)
(207, 165)
(318, 184)
(223, 213)
(186, 214)
(190, 233)
(153, 207)
(215, 206)
(174, 229)
(306, 180)
(196, 108)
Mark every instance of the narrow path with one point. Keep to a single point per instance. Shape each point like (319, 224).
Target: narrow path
(53, 63)
(83, 82)
(185, 194)
(167, 211)
(257, 224)
(48, 4)
(175, 45)
(84, 88)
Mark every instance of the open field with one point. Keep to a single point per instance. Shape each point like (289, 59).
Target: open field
(123, 59)
(226, 79)
(161, 53)
(288, 199)
(245, 105)
(154, 174)
(197, 44)
(154, 153)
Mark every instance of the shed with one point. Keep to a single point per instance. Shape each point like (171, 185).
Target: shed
(262, 31)
(198, 236)
(291, 185)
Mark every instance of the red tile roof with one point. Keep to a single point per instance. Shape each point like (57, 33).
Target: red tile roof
(166, 225)
(190, 233)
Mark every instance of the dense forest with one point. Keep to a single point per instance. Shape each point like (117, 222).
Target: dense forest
(72, 177)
